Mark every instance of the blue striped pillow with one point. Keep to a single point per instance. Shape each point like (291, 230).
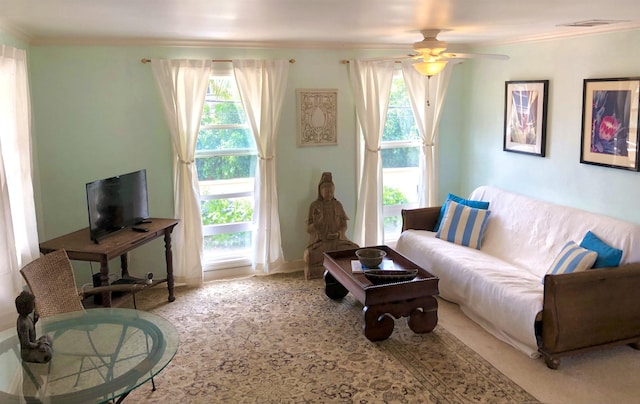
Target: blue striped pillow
(461, 200)
(572, 258)
(463, 225)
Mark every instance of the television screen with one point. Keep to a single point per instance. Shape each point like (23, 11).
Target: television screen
(117, 202)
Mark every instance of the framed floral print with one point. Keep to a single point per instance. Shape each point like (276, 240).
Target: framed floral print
(610, 122)
(525, 117)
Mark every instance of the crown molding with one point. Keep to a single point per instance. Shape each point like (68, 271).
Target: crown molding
(566, 32)
(203, 43)
(561, 33)
(15, 32)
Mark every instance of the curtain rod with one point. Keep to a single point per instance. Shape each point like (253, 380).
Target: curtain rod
(145, 60)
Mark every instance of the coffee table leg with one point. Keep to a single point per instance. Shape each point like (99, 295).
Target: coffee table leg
(424, 317)
(378, 325)
(333, 289)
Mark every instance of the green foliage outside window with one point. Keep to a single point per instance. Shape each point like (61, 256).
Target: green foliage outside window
(392, 196)
(223, 211)
(236, 136)
(400, 125)
(225, 135)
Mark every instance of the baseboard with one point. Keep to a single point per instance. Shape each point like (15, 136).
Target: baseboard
(247, 271)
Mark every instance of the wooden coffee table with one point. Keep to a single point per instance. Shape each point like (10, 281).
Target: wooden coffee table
(414, 299)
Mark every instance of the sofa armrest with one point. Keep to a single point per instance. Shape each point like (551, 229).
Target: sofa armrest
(589, 308)
(421, 218)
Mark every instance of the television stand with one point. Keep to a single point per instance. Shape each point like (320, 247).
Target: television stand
(80, 247)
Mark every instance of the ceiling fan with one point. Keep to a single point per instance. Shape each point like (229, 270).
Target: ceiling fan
(431, 51)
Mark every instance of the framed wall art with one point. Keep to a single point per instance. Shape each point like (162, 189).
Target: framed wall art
(525, 116)
(317, 117)
(610, 122)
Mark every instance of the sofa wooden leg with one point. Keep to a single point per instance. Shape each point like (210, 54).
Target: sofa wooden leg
(552, 363)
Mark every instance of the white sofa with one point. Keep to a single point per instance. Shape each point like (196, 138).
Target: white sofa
(500, 285)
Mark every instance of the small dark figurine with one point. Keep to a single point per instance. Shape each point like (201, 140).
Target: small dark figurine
(31, 350)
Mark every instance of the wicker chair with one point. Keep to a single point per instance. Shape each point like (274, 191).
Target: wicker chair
(50, 278)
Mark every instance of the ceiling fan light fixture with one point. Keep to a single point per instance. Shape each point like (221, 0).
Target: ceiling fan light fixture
(431, 49)
(430, 68)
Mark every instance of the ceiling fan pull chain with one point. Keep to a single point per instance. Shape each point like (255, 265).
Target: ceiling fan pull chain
(428, 80)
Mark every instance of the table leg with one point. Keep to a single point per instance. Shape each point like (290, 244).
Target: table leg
(379, 321)
(424, 317)
(378, 325)
(124, 265)
(169, 258)
(332, 288)
(104, 281)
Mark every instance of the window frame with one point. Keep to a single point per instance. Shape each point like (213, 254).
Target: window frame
(396, 210)
(237, 257)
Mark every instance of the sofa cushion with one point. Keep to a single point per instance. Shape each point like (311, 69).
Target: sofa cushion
(501, 297)
(572, 258)
(462, 201)
(529, 232)
(463, 225)
(607, 256)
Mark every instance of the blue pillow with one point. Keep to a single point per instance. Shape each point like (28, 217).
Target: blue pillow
(462, 201)
(572, 258)
(463, 225)
(607, 256)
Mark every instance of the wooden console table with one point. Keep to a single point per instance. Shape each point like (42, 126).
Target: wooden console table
(80, 247)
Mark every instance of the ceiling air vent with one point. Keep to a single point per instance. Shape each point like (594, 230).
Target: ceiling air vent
(592, 23)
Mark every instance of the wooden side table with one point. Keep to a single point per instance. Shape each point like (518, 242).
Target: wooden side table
(80, 247)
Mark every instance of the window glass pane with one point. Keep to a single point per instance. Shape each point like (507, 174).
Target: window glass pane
(229, 243)
(226, 167)
(222, 102)
(400, 186)
(400, 157)
(225, 211)
(392, 227)
(222, 112)
(400, 172)
(400, 124)
(226, 160)
(225, 139)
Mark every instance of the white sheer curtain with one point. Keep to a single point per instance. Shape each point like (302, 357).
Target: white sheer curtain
(423, 91)
(18, 228)
(262, 85)
(183, 86)
(371, 86)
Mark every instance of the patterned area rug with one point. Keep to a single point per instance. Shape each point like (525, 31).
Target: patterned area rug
(279, 339)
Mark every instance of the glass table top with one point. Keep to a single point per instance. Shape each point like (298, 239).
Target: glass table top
(98, 355)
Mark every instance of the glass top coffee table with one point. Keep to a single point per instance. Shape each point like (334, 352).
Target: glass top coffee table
(99, 355)
(414, 299)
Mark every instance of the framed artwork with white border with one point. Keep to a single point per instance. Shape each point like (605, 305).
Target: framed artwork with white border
(610, 122)
(525, 117)
(317, 117)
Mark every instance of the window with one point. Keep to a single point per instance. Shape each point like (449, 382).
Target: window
(226, 162)
(400, 156)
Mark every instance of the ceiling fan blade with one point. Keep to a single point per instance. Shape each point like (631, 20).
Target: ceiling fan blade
(461, 55)
(392, 57)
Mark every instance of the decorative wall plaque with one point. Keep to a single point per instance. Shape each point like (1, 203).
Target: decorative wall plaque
(317, 117)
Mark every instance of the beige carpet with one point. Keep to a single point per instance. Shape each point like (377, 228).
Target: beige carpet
(598, 377)
(279, 339)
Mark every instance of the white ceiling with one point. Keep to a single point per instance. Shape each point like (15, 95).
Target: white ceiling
(299, 23)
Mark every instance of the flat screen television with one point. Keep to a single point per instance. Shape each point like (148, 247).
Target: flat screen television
(116, 203)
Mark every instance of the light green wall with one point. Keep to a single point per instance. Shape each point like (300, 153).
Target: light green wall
(96, 114)
(10, 40)
(558, 177)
